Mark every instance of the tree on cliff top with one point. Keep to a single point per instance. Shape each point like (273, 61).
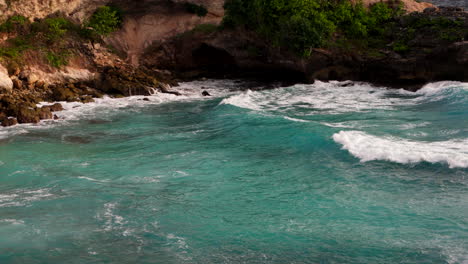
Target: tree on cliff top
(304, 24)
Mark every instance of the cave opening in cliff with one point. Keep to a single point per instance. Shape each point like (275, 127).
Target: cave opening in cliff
(210, 58)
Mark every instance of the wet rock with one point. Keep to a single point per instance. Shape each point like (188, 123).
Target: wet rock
(205, 93)
(62, 93)
(146, 99)
(165, 89)
(9, 121)
(56, 107)
(127, 82)
(45, 113)
(87, 99)
(28, 115)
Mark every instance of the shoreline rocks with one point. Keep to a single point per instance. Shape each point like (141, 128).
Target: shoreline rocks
(18, 105)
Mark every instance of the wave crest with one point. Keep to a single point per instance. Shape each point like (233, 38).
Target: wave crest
(368, 148)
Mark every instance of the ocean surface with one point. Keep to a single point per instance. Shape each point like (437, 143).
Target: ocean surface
(337, 172)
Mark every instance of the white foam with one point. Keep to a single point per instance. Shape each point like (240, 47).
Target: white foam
(329, 98)
(296, 119)
(10, 132)
(437, 87)
(23, 197)
(102, 107)
(409, 126)
(112, 220)
(12, 221)
(368, 148)
(91, 179)
(244, 100)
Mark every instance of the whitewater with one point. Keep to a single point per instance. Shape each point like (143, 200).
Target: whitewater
(330, 172)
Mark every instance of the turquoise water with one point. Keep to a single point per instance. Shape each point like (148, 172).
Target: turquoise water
(323, 173)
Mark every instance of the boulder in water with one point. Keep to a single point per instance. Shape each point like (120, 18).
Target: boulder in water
(55, 107)
(205, 93)
(45, 113)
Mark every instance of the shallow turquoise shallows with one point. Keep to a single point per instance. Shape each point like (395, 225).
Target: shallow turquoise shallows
(335, 172)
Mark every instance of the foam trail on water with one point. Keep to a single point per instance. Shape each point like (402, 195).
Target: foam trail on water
(368, 148)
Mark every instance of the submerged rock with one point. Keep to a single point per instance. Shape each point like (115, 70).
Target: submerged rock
(77, 139)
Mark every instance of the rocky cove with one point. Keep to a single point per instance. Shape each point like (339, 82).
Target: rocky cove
(159, 43)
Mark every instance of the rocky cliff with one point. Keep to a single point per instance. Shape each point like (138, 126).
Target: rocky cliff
(160, 35)
(419, 48)
(51, 60)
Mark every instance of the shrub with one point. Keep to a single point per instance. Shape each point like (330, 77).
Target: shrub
(13, 22)
(57, 27)
(199, 10)
(304, 24)
(206, 28)
(57, 60)
(400, 47)
(15, 48)
(106, 20)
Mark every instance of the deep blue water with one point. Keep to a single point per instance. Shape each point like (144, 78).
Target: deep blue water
(323, 173)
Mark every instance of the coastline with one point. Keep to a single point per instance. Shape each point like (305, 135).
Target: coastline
(221, 53)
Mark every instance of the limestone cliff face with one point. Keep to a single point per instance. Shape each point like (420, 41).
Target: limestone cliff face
(408, 5)
(149, 22)
(78, 9)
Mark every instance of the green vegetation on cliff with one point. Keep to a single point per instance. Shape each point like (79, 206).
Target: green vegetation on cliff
(305, 24)
(53, 40)
(105, 20)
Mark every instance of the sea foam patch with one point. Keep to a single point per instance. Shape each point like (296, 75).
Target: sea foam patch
(321, 97)
(368, 148)
(103, 107)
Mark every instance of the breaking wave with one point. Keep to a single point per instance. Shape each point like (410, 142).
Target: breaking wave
(368, 148)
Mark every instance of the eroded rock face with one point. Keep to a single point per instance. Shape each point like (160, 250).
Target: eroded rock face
(153, 21)
(408, 5)
(6, 84)
(77, 9)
